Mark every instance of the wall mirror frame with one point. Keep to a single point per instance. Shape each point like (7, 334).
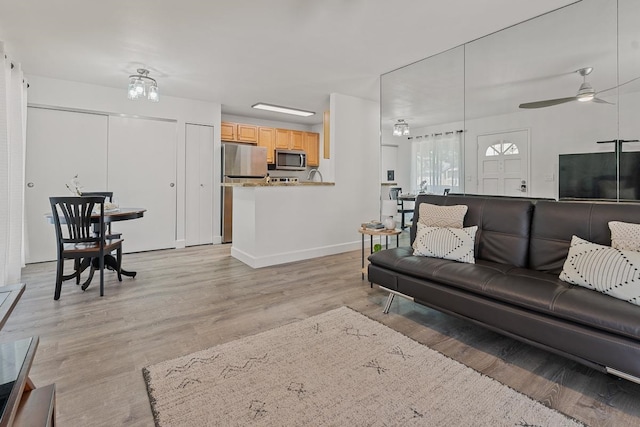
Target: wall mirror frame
(472, 126)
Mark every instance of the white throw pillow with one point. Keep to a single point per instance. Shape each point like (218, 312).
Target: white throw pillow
(442, 216)
(456, 244)
(604, 269)
(625, 235)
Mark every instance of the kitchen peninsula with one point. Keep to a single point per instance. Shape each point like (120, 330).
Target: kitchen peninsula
(284, 222)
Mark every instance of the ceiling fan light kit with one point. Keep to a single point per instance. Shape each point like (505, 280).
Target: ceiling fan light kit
(401, 128)
(586, 92)
(141, 85)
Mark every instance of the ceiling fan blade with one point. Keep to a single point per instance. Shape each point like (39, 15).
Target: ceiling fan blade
(602, 101)
(547, 103)
(620, 85)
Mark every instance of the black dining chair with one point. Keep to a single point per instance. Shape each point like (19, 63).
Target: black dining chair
(108, 197)
(78, 239)
(394, 193)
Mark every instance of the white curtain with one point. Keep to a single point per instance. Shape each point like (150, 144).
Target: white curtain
(437, 163)
(13, 126)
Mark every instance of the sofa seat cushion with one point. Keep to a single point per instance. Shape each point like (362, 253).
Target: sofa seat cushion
(534, 290)
(403, 261)
(598, 310)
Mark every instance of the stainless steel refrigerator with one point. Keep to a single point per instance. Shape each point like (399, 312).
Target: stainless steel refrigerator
(240, 163)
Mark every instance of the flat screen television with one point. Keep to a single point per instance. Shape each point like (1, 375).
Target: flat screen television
(593, 176)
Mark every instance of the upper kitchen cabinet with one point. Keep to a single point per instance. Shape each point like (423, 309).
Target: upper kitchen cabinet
(283, 139)
(247, 133)
(267, 139)
(312, 148)
(238, 132)
(297, 140)
(287, 139)
(228, 131)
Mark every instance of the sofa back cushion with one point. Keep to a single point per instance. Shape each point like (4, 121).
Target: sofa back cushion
(554, 223)
(504, 225)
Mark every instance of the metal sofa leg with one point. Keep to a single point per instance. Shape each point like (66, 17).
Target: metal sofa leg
(387, 305)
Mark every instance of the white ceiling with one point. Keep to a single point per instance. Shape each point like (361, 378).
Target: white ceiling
(238, 52)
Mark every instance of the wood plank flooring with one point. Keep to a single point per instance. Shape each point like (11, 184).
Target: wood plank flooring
(187, 300)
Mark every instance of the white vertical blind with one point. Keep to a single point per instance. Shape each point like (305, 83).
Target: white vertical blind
(13, 100)
(437, 162)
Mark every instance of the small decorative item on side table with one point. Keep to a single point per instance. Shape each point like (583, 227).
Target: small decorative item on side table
(389, 210)
(379, 230)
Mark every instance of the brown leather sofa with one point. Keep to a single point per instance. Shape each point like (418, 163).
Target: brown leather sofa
(513, 288)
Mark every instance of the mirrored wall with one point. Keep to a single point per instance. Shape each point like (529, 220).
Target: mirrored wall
(540, 109)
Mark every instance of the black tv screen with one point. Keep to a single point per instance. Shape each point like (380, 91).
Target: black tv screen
(593, 176)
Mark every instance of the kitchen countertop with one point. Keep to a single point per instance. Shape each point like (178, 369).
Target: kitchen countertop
(277, 184)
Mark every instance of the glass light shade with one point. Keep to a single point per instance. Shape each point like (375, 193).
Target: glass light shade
(139, 87)
(131, 92)
(401, 128)
(153, 94)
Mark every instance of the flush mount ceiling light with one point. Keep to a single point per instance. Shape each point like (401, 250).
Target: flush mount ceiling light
(141, 85)
(279, 109)
(401, 128)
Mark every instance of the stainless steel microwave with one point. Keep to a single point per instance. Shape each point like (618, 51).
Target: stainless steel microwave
(291, 160)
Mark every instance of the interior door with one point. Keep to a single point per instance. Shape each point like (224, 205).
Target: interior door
(60, 145)
(503, 163)
(199, 185)
(142, 173)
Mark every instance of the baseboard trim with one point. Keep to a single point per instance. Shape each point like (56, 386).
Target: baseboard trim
(285, 257)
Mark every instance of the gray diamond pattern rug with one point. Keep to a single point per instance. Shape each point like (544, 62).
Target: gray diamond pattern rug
(339, 368)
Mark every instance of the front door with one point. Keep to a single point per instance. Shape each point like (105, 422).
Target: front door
(503, 163)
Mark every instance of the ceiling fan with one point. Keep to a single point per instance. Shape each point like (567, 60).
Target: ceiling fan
(585, 93)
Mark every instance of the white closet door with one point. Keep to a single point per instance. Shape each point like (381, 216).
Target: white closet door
(142, 173)
(199, 185)
(60, 144)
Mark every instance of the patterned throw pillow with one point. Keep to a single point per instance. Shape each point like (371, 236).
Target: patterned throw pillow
(625, 235)
(604, 269)
(456, 244)
(442, 216)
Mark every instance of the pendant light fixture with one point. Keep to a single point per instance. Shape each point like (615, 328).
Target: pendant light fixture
(141, 85)
(401, 128)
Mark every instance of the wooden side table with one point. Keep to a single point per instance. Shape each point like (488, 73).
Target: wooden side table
(371, 233)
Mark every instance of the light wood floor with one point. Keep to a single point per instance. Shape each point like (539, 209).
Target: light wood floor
(190, 299)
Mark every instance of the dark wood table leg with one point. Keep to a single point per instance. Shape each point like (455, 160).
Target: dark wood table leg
(112, 263)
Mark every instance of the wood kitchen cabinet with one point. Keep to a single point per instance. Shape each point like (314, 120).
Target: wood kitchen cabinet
(283, 139)
(238, 132)
(312, 148)
(297, 140)
(247, 133)
(267, 139)
(228, 131)
(287, 139)
(274, 139)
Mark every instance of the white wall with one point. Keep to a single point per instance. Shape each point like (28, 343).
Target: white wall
(355, 146)
(80, 96)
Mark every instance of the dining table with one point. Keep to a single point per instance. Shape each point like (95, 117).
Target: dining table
(111, 215)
